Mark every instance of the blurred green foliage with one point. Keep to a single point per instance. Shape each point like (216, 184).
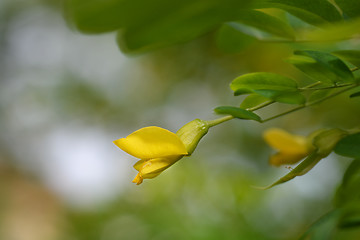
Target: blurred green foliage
(207, 196)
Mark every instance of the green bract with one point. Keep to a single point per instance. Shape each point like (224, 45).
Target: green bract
(191, 133)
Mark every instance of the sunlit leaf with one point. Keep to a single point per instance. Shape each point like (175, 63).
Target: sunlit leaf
(350, 8)
(267, 23)
(269, 85)
(251, 82)
(237, 113)
(335, 32)
(254, 100)
(231, 40)
(316, 12)
(352, 56)
(349, 146)
(321, 66)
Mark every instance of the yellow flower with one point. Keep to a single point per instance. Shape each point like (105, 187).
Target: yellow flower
(291, 148)
(157, 148)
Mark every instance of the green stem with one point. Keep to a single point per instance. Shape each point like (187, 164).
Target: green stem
(310, 86)
(324, 88)
(218, 121)
(311, 104)
(260, 106)
(284, 113)
(215, 122)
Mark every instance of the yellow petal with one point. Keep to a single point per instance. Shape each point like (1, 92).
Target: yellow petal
(153, 167)
(152, 142)
(138, 164)
(283, 158)
(284, 141)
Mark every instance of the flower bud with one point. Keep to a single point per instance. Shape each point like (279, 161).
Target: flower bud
(291, 148)
(191, 133)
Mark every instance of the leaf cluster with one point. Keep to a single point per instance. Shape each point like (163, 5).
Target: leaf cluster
(143, 25)
(329, 76)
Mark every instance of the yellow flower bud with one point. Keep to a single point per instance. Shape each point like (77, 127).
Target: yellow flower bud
(159, 148)
(291, 148)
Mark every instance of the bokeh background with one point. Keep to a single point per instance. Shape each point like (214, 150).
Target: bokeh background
(65, 96)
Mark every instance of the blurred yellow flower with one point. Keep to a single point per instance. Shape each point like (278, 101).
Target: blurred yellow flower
(291, 148)
(157, 148)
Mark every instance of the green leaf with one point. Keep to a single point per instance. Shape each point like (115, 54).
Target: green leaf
(237, 113)
(254, 100)
(293, 97)
(312, 69)
(347, 192)
(251, 82)
(267, 23)
(331, 33)
(347, 196)
(316, 12)
(352, 56)
(352, 172)
(349, 146)
(357, 94)
(350, 8)
(231, 40)
(301, 169)
(322, 228)
(147, 25)
(351, 217)
(319, 94)
(95, 16)
(269, 85)
(323, 67)
(183, 24)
